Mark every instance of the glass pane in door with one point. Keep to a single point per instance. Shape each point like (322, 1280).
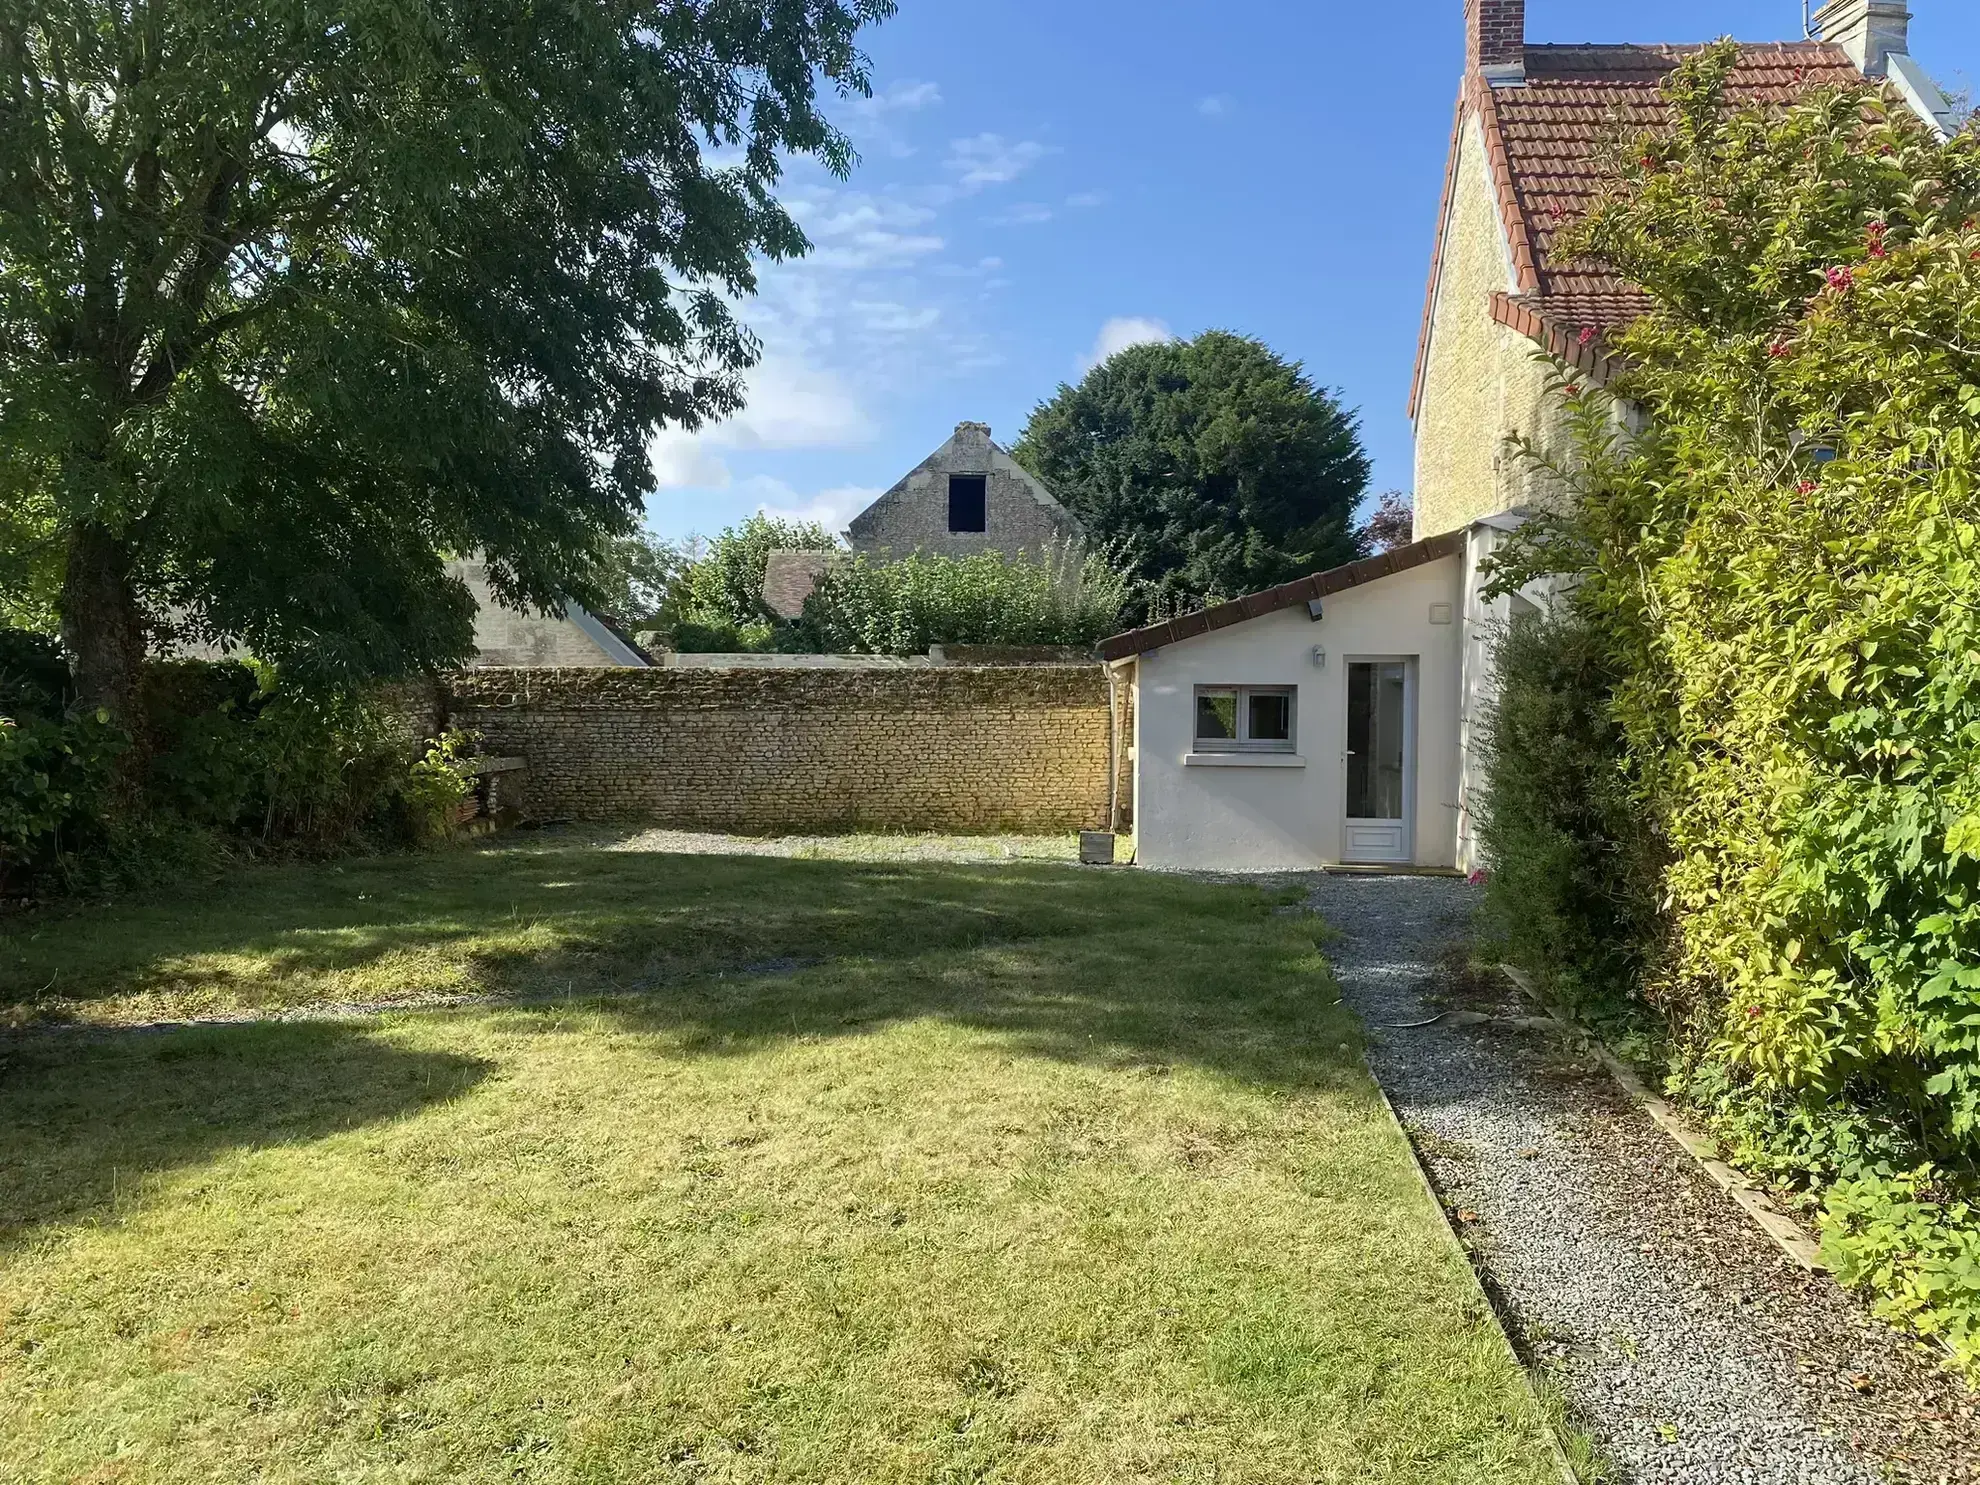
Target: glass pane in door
(1376, 715)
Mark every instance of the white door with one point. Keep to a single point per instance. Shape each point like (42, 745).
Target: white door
(1380, 762)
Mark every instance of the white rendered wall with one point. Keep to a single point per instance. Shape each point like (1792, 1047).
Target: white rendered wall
(1277, 818)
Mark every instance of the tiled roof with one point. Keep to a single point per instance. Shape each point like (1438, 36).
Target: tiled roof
(1576, 98)
(1286, 595)
(789, 576)
(1544, 141)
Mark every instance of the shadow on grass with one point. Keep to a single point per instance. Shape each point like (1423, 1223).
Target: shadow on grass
(519, 922)
(710, 956)
(88, 1121)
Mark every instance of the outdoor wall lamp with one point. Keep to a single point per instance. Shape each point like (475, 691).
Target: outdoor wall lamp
(1319, 657)
(1314, 610)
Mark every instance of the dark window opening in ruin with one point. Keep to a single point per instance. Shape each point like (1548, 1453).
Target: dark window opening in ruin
(966, 502)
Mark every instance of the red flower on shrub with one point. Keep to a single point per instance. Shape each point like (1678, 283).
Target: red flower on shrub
(1806, 487)
(1778, 348)
(1588, 335)
(1841, 280)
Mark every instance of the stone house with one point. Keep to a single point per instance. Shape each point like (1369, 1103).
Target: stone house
(968, 496)
(506, 636)
(1530, 120)
(1336, 719)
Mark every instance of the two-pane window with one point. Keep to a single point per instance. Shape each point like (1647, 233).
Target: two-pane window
(1244, 719)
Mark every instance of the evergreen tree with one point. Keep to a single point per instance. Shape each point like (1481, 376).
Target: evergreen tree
(1213, 466)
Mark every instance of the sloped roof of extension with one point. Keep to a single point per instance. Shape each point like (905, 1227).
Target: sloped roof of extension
(1287, 595)
(1542, 143)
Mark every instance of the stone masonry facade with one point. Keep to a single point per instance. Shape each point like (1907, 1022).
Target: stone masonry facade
(1009, 748)
(1020, 514)
(1484, 383)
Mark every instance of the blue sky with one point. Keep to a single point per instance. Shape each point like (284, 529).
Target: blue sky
(1043, 180)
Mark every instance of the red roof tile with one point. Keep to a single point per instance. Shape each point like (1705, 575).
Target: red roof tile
(1577, 97)
(1544, 141)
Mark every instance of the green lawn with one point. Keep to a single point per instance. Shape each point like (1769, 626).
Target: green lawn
(835, 1171)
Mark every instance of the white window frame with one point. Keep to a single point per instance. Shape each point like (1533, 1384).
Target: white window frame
(1243, 742)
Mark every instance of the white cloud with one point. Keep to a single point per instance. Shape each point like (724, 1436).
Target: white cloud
(1024, 214)
(683, 461)
(854, 231)
(882, 317)
(1121, 332)
(900, 97)
(833, 509)
(876, 123)
(1215, 106)
(992, 160)
(791, 405)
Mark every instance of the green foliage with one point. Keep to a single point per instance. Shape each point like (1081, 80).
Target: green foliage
(437, 784)
(1779, 572)
(635, 575)
(865, 606)
(237, 761)
(1918, 1249)
(296, 298)
(1213, 466)
(54, 777)
(30, 553)
(716, 602)
(1569, 895)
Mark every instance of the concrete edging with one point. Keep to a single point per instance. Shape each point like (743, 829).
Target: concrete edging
(1786, 1233)
(1563, 1466)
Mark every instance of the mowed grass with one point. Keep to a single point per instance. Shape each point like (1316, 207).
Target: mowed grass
(834, 1172)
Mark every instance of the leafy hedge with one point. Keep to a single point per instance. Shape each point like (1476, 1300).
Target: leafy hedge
(1570, 894)
(865, 606)
(233, 761)
(1780, 575)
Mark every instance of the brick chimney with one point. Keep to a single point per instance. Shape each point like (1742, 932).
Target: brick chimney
(1495, 40)
(1869, 30)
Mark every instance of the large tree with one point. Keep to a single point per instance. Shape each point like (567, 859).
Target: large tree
(299, 296)
(1213, 465)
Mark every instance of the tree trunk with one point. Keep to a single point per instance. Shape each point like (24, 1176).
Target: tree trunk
(103, 627)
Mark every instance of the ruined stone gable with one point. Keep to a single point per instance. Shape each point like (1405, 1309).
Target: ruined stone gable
(968, 496)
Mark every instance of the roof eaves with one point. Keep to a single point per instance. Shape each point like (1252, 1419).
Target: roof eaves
(1528, 319)
(1286, 595)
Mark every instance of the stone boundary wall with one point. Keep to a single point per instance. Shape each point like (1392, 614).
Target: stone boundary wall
(1004, 748)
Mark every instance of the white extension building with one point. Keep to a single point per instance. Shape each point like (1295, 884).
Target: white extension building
(1329, 721)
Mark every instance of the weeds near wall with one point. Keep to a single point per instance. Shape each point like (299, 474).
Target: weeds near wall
(234, 762)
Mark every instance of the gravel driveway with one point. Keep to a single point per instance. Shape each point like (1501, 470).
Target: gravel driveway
(1685, 1343)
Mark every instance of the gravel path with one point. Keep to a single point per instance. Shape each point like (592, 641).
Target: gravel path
(1685, 1343)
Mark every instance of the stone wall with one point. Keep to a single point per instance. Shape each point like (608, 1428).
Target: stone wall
(416, 709)
(1481, 383)
(954, 749)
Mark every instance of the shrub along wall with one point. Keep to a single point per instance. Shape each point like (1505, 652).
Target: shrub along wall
(1777, 575)
(1017, 748)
